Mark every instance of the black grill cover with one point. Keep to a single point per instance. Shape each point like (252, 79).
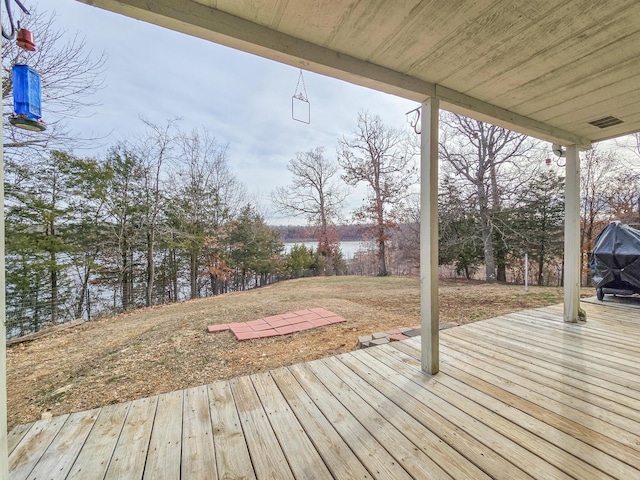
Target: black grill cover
(616, 257)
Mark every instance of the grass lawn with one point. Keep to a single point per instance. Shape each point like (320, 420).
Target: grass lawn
(166, 348)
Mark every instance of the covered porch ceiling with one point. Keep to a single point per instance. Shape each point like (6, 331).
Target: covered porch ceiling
(550, 68)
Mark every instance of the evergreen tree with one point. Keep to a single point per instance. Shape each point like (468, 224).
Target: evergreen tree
(539, 220)
(256, 248)
(300, 260)
(460, 237)
(39, 222)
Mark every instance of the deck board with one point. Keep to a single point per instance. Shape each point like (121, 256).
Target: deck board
(338, 457)
(65, 448)
(233, 460)
(406, 453)
(95, 456)
(520, 396)
(34, 444)
(303, 458)
(16, 435)
(430, 444)
(503, 437)
(164, 454)
(129, 457)
(266, 453)
(374, 457)
(198, 455)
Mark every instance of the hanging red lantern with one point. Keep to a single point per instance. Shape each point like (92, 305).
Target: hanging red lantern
(24, 40)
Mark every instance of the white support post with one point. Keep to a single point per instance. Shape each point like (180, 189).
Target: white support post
(429, 237)
(572, 235)
(4, 452)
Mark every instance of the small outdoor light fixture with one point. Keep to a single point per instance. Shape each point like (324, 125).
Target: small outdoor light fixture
(560, 152)
(26, 99)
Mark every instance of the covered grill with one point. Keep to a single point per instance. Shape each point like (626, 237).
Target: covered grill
(615, 261)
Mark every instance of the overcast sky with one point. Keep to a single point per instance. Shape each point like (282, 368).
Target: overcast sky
(243, 99)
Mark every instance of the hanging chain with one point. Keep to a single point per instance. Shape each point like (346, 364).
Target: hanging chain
(15, 25)
(301, 96)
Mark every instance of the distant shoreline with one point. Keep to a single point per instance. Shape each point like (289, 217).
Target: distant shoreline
(297, 233)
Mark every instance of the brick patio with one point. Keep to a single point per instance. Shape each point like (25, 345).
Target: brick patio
(284, 324)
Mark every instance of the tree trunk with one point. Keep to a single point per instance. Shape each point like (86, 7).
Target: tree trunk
(501, 262)
(125, 281)
(541, 268)
(487, 241)
(213, 281)
(500, 254)
(542, 252)
(84, 289)
(54, 277)
(382, 261)
(54, 289)
(148, 294)
(132, 294)
(174, 274)
(193, 275)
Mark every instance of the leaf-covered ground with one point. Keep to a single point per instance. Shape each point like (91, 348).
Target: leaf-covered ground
(167, 348)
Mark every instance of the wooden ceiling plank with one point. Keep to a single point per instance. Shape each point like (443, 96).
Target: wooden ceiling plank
(314, 20)
(632, 125)
(628, 115)
(463, 104)
(390, 17)
(433, 29)
(622, 56)
(487, 57)
(613, 97)
(262, 12)
(472, 39)
(582, 86)
(521, 58)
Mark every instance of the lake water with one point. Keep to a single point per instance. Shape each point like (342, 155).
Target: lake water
(349, 248)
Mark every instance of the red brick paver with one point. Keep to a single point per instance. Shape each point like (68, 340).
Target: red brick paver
(396, 337)
(217, 328)
(280, 324)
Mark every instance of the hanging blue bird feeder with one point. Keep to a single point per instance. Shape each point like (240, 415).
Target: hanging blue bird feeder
(26, 99)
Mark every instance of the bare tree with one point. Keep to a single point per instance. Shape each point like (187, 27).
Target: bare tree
(123, 217)
(70, 73)
(153, 149)
(381, 157)
(207, 197)
(598, 170)
(315, 195)
(490, 159)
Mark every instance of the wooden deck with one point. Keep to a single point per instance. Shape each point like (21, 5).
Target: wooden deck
(518, 397)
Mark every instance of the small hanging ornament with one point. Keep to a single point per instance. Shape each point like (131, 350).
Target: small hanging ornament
(24, 40)
(300, 106)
